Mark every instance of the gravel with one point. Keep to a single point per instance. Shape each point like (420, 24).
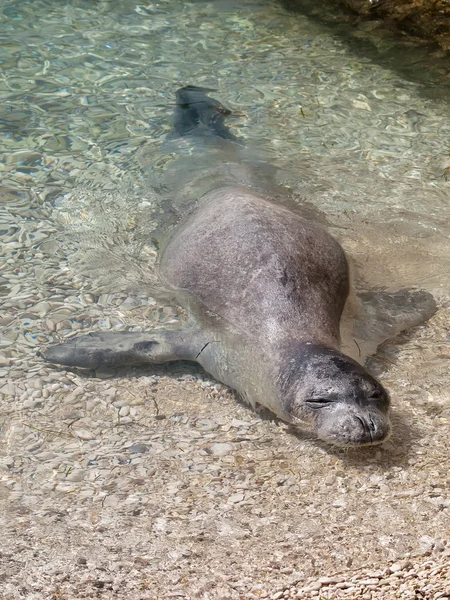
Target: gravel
(408, 580)
(171, 499)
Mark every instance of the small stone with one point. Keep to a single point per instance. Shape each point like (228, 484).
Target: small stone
(76, 475)
(330, 480)
(221, 449)
(50, 325)
(206, 425)
(340, 503)
(427, 544)
(111, 500)
(240, 424)
(81, 560)
(395, 568)
(138, 448)
(37, 384)
(142, 561)
(104, 323)
(4, 360)
(343, 585)
(84, 434)
(8, 390)
(41, 308)
(314, 587)
(330, 580)
(235, 498)
(408, 494)
(124, 411)
(375, 480)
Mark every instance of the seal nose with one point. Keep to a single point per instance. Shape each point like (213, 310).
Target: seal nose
(343, 427)
(374, 430)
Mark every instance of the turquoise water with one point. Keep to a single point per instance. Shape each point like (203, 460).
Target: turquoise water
(87, 90)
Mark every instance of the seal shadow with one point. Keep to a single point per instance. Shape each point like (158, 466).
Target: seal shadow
(395, 451)
(386, 355)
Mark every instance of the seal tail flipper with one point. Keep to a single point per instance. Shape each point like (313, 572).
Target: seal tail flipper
(376, 316)
(126, 348)
(197, 114)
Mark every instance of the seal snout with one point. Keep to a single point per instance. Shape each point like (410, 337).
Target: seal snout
(372, 430)
(346, 428)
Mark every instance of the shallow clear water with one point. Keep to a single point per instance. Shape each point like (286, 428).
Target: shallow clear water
(87, 92)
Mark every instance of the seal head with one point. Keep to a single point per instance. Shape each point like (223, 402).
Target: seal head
(343, 402)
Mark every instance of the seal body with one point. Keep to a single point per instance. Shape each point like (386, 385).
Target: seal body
(265, 290)
(269, 287)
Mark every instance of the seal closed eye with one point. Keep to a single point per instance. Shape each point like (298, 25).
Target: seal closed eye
(265, 289)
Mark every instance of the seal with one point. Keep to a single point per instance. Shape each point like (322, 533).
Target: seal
(265, 290)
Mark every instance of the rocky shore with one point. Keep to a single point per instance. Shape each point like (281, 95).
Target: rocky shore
(426, 20)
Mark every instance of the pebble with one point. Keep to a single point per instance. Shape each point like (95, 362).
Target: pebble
(32, 403)
(74, 395)
(408, 494)
(138, 448)
(343, 585)
(4, 360)
(8, 390)
(42, 308)
(330, 580)
(235, 498)
(84, 434)
(104, 323)
(427, 544)
(111, 500)
(221, 449)
(315, 586)
(50, 325)
(206, 425)
(240, 424)
(76, 475)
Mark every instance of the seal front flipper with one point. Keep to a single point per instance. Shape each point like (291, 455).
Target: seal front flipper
(127, 348)
(372, 317)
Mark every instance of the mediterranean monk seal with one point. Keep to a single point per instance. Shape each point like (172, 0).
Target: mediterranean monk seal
(265, 290)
